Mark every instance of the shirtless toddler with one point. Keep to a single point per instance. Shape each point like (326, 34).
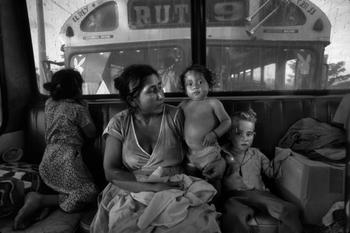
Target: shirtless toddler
(205, 118)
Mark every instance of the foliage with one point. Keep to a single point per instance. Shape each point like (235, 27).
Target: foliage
(335, 76)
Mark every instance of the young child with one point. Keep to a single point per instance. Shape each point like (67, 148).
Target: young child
(243, 182)
(67, 126)
(205, 118)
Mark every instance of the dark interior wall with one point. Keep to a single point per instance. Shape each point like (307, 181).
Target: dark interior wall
(18, 79)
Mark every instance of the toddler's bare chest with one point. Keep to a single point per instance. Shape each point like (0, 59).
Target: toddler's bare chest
(198, 111)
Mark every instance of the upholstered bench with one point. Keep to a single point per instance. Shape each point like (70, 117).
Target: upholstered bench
(275, 115)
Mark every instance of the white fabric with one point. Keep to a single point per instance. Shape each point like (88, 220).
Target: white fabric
(169, 207)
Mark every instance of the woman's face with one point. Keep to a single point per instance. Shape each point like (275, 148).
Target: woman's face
(151, 97)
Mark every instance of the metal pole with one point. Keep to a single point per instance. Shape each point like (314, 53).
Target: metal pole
(41, 43)
(198, 32)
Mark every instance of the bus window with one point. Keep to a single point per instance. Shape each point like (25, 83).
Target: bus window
(99, 69)
(288, 15)
(269, 76)
(104, 18)
(260, 69)
(243, 37)
(290, 74)
(257, 74)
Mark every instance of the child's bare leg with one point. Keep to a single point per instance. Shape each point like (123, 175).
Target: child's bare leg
(34, 202)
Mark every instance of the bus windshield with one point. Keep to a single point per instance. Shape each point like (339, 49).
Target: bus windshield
(251, 45)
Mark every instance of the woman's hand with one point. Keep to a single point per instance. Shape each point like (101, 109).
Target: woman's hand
(215, 169)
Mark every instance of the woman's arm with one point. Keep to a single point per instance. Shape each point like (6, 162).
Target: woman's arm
(116, 174)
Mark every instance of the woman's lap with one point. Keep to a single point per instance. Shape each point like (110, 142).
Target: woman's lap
(120, 212)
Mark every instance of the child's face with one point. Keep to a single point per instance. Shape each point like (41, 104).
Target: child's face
(196, 86)
(242, 135)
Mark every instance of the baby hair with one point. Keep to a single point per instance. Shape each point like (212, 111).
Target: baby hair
(207, 74)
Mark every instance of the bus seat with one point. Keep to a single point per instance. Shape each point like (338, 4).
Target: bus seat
(275, 115)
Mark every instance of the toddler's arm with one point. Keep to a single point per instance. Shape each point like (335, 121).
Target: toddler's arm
(271, 168)
(278, 160)
(224, 125)
(267, 165)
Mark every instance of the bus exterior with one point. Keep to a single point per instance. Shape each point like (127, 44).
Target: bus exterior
(250, 45)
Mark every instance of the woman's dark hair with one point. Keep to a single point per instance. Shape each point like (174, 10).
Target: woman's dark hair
(65, 84)
(132, 80)
(207, 74)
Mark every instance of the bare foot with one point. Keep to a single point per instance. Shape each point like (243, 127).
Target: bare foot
(26, 215)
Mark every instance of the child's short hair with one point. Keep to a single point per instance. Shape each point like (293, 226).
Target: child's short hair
(207, 74)
(248, 115)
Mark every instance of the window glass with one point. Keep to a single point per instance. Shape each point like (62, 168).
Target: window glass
(100, 38)
(100, 69)
(278, 45)
(260, 69)
(290, 74)
(286, 15)
(103, 18)
(252, 44)
(336, 60)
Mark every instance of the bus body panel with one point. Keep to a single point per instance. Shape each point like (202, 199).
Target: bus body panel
(124, 32)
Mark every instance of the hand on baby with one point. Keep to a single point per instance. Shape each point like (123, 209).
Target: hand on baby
(163, 182)
(209, 139)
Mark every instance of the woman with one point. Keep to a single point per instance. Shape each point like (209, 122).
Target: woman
(68, 125)
(148, 191)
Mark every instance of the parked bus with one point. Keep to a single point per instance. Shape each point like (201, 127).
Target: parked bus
(250, 45)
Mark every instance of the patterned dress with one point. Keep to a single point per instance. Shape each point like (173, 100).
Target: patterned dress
(119, 210)
(62, 167)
